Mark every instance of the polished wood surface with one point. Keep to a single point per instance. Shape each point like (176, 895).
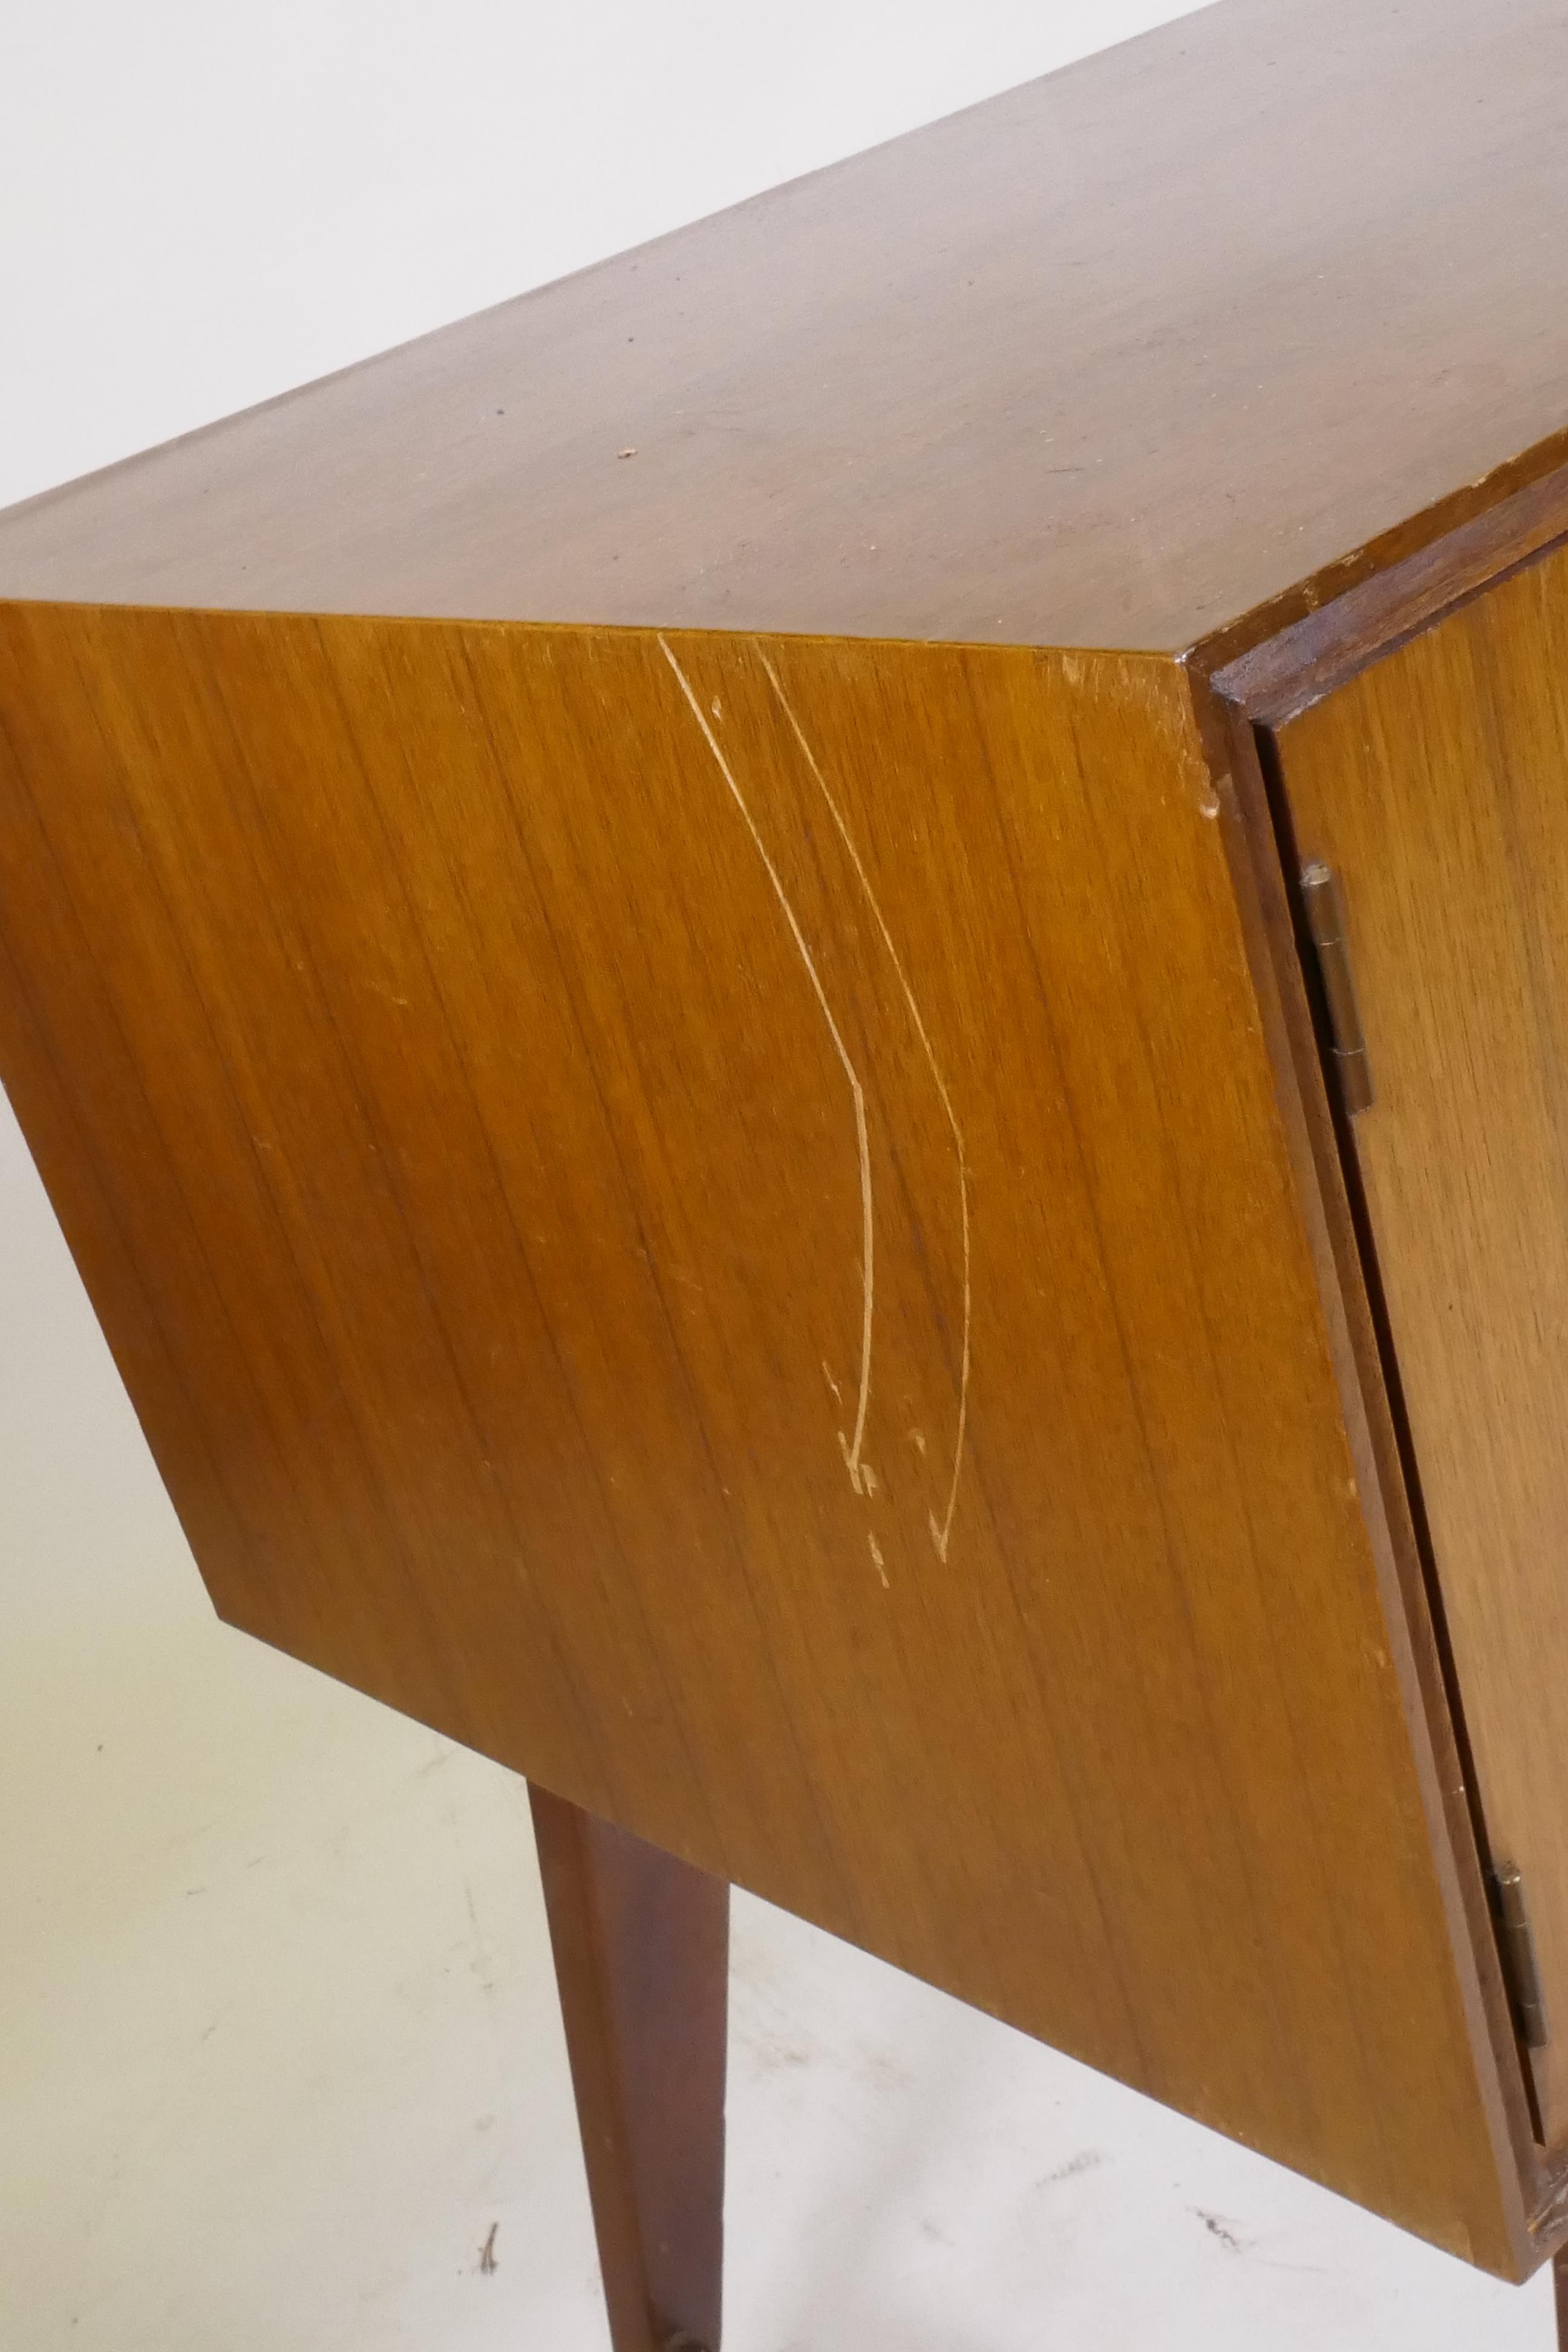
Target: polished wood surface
(1434, 783)
(1111, 360)
(642, 1950)
(1295, 667)
(713, 1216)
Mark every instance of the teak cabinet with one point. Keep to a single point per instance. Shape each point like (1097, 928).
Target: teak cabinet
(802, 1012)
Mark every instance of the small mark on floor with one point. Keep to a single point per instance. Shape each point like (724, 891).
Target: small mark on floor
(1222, 2231)
(488, 2263)
(1088, 2159)
(774, 2056)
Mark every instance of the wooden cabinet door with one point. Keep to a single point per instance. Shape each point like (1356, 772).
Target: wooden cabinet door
(1435, 785)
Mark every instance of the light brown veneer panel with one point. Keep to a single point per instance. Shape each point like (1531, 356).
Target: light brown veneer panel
(708, 1215)
(1434, 782)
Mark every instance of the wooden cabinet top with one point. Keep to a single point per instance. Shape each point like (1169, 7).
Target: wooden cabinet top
(1113, 359)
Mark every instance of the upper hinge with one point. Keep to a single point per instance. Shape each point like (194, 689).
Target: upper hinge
(1520, 1966)
(1326, 928)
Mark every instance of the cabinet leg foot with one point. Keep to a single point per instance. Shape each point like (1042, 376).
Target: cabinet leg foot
(641, 1947)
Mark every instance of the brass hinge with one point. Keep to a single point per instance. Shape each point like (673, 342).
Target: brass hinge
(1520, 1966)
(1325, 925)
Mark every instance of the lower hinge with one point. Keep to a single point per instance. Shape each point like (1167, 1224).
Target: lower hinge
(1520, 1967)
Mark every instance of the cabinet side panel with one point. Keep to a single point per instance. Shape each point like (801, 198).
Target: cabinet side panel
(713, 1211)
(1433, 782)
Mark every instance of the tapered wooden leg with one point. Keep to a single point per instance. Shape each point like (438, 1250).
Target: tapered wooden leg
(1560, 2276)
(642, 1949)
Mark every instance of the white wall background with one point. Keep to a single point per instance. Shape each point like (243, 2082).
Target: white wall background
(277, 2036)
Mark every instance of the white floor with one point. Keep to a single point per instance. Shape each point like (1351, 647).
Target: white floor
(278, 2043)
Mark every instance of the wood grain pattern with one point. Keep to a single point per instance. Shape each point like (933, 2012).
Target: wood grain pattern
(1111, 360)
(711, 1215)
(1328, 1190)
(1434, 783)
(642, 1952)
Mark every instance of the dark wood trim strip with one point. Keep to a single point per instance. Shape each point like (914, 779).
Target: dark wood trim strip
(1275, 680)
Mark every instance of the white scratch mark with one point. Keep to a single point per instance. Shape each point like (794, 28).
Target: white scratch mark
(918, 1440)
(716, 708)
(869, 1482)
(876, 1557)
(836, 1391)
(942, 1529)
(857, 1093)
